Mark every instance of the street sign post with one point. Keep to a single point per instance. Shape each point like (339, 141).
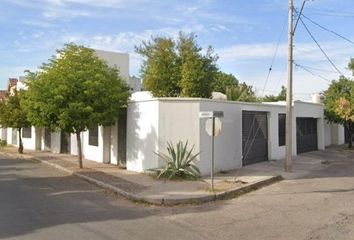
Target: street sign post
(213, 126)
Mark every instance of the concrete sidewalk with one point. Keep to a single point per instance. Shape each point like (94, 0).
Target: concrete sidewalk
(143, 188)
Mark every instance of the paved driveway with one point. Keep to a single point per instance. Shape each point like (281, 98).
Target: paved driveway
(38, 202)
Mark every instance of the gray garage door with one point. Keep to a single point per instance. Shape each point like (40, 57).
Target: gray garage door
(254, 137)
(306, 133)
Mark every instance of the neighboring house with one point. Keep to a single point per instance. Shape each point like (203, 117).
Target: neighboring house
(135, 84)
(98, 144)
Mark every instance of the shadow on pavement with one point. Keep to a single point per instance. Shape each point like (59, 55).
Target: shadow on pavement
(33, 197)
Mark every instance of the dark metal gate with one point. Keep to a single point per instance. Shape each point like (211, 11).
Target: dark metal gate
(254, 137)
(346, 135)
(122, 137)
(306, 134)
(65, 142)
(47, 139)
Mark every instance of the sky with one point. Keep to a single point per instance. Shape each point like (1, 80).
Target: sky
(248, 36)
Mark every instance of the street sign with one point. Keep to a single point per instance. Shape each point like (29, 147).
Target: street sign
(205, 114)
(213, 128)
(211, 114)
(217, 126)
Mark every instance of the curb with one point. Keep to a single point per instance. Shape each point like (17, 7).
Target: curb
(233, 193)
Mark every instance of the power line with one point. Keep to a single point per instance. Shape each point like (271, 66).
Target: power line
(312, 73)
(319, 46)
(330, 13)
(319, 69)
(274, 56)
(328, 30)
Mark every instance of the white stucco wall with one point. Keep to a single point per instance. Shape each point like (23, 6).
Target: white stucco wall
(142, 135)
(73, 144)
(328, 134)
(341, 135)
(55, 142)
(228, 145)
(114, 59)
(3, 134)
(10, 132)
(100, 153)
(113, 148)
(30, 143)
(179, 121)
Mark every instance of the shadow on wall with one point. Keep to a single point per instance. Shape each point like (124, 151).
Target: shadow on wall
(141, 142)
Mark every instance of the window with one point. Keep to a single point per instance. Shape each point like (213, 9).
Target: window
(26, 132)
(93, 136)
(281, 129)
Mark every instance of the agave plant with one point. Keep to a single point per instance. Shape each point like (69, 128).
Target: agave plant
(179, 162)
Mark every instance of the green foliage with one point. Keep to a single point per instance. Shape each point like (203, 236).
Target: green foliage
(271, 98)
(75, 91)
(160, 70)
(223, 81)
(198, 71)
(337, 98)
(177, 68)
(179, 162)
(241, 92)
(3, 143)
(14, 115)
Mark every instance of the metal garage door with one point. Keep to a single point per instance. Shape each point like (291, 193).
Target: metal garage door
(254, 137)
(306, 134)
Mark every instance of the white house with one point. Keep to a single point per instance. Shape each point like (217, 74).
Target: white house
(251, 132)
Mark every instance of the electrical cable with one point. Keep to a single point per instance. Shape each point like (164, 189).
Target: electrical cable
(273, 59)
(313, 74)
(319, 46)
(328, 30)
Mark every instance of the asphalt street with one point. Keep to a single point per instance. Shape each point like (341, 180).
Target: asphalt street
(39, 202)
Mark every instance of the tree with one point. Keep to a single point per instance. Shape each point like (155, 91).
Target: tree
(177, 68)
(224, 80)
(339, 104)
(241, 93)
(74, 92)
(160, 69)
(14, 115)
(271, 98)
(198, 71)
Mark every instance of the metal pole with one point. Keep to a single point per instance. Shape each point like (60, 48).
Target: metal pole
(212, 155)
(288, 147)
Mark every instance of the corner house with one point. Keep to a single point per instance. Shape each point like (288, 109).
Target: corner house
(251, 132)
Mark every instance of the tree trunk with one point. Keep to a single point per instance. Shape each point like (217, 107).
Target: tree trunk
(20, 145)
(350, 142)
(79, 149)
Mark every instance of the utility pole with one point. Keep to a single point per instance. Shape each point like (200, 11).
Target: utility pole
(289, 90)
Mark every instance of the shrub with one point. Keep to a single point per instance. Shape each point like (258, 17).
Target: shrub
(3, 143)
(179, 162)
